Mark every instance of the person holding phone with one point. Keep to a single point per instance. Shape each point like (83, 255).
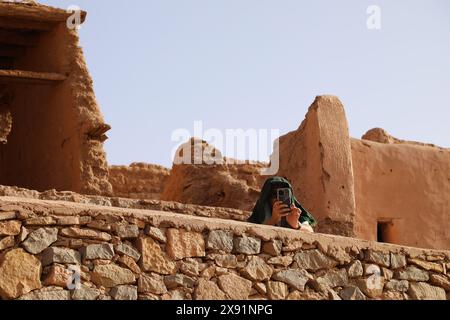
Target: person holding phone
(277, 206)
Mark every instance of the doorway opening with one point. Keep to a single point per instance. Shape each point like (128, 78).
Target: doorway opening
(39, 138)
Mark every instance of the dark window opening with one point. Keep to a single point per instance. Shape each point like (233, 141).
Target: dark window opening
(386, 232)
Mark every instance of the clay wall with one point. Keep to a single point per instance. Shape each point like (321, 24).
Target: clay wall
(127, 254)
(57, 135)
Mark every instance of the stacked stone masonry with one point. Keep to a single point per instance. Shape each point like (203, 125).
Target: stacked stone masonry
(131, 254)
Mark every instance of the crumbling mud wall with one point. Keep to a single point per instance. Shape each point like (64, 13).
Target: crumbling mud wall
(126, 254)
(156, 205)
(379, 188)
(57, 135)
(207, 178)
(404, 186)
(317, 160)
(138, 181)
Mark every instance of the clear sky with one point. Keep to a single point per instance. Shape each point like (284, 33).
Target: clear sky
(160, 65)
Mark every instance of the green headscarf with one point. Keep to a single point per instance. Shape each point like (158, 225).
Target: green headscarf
(263, 210)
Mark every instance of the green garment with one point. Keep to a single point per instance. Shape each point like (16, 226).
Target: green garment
(263, 210)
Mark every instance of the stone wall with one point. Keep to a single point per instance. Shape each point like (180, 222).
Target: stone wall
(143, 254)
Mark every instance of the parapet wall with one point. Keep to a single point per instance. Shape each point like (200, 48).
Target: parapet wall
(143, 254)
(156, 205)
(53, 134)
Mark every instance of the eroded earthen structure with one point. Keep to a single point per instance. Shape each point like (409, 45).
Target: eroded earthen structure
(129, 254)
(139, 180)
(146, 232)
(51, 128)
(379, 188)
(212, 182)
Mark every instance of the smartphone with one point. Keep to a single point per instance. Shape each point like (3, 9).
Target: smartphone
(285, 195)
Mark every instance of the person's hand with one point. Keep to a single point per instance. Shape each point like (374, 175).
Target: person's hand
(279, 211)
(293, 217)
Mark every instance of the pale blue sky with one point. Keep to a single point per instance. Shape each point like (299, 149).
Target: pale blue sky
(159, 65)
